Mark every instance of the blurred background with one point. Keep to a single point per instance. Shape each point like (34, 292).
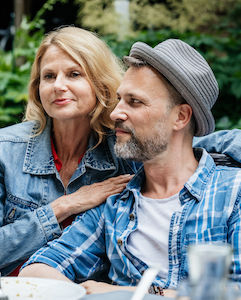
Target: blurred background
(213, 27)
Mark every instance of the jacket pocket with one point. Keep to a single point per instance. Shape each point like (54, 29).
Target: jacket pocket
(16, 207)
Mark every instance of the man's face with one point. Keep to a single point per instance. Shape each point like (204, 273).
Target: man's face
(143, 116)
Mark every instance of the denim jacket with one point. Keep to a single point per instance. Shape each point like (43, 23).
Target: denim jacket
(210, 212)
(222, 141)
(29, 182)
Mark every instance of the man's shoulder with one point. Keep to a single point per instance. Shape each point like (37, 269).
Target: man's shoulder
(119, 201)
(221, 159)
(229, 171)
(227, 178)
(17, 133)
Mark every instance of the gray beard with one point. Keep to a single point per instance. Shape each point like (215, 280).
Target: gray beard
(142, 151)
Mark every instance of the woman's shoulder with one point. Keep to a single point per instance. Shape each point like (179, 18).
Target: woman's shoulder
(18, 133)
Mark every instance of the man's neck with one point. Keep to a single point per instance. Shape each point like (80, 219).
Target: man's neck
(167, 173)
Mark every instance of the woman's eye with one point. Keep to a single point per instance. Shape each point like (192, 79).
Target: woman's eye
(48, 76)
(75, 74)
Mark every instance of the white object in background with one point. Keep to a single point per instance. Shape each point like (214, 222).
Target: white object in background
(208, 271)
(3, 296)
(145, 283)
(122, 9)
(24, 288)
(208, 260)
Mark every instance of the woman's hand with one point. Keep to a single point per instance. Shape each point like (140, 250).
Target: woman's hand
(88, 196)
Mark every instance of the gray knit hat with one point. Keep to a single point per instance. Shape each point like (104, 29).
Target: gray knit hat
(188, 72)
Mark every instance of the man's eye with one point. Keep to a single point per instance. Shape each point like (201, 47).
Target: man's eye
(135, 101)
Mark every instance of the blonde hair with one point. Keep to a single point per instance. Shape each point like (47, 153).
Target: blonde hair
(102, 68)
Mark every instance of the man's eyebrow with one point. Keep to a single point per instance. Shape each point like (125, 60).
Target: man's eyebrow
(128, 94)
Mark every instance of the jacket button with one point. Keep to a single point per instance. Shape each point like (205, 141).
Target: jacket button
(119, 242)
(12, 213)
(132, 217)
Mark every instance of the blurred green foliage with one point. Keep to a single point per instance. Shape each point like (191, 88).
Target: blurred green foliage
(220, 45)
(183, 15)
(98, 15)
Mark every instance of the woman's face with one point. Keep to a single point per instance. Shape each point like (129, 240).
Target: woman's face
(65, 91)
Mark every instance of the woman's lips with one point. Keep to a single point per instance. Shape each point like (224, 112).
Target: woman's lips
(62, 101)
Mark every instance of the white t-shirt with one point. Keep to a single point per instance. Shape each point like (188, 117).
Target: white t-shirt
(149, 242)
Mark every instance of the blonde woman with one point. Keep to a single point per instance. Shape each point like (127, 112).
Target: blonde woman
(56, 163)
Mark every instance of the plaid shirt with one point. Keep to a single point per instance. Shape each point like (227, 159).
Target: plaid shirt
(210, 212)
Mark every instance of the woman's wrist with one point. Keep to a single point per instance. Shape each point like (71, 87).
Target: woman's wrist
(61, 208)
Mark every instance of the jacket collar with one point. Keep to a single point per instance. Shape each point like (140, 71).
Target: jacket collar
(39, 159)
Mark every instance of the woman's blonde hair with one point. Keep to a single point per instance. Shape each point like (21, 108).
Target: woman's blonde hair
(101, 66)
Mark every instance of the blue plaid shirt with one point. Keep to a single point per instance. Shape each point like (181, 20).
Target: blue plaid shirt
(211, 212)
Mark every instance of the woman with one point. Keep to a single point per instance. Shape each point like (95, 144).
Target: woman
(51, 165)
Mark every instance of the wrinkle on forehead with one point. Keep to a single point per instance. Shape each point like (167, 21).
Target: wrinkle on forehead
(143, 82)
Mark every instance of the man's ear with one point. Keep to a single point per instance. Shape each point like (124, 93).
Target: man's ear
(183, 116)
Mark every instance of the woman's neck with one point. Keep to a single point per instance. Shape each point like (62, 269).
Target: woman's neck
(70, 139)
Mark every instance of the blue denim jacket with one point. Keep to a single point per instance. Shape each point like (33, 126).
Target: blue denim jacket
(29, 182)
(211, 212)
(222, 141)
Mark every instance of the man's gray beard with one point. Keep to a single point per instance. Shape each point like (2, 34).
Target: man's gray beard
(138, 150)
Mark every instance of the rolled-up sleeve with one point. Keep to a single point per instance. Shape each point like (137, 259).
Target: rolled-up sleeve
(79, 252)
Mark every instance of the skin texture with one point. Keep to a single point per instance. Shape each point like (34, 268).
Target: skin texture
(65, 91)
(67, 97)
(68, 205)
(135, 140)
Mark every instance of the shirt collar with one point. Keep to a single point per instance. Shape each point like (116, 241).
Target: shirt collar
(57, 161)
(195, 185)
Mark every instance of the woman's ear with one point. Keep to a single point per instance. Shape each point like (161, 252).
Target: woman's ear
(183, 116)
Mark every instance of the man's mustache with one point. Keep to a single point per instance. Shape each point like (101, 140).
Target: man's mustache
(119, 124)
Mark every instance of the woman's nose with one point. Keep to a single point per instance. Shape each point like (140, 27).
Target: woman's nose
(118, 113)
(60, 83)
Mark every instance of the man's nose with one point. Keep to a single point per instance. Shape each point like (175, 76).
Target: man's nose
(60, 83)
(118, 113)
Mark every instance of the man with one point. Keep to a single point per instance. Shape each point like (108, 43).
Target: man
(178, 198)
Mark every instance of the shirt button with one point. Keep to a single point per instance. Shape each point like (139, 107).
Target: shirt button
(132, 217)
(119, 242)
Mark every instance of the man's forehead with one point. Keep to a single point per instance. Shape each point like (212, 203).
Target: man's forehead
(137, 80)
